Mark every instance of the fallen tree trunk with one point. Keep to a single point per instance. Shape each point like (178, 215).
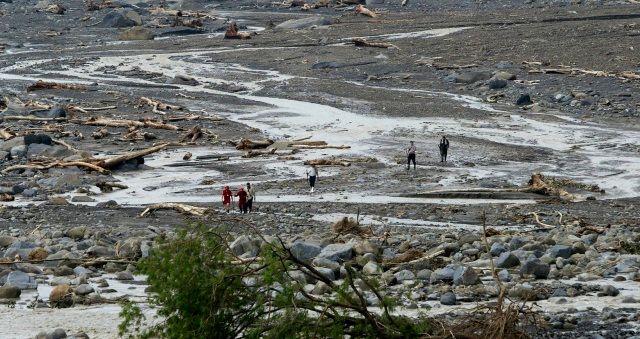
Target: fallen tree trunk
(322, 147)
(7, 197)
(193, 134)
(30, 118)
(328, 162)
(364, 43)
(253, 144)
(308, 143)
(120, 159)
(90, 109)
(39, 166)
(109, 186)
(364, 11)
(39, 85)
(537, 184)
(182, 208)
(126, 123)
(232, 33)
(157, 106)
(257, 153)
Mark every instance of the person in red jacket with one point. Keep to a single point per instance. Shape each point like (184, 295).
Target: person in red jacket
(242, 199)
(227, 198)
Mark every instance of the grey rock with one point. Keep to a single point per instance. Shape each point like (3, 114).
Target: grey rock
(79, 270)
(404, 275)
(610, 290)
(124, 275)
(83, 289)
(465, 276)
(507, 260)
(448, 298)
(560, 251)
(100, 251)
(321, 288)
(243, 244)
(468, 77)
(337, 252)
(306, 22)
(21, 280)
(305, 251)
(18, 151)
(6, 240)
(55, 281)
(326, 272)
(504, 275)
(82, 198)
(30, 192)
(28, 268)
(497, 248)
(523, 100)
(497, 83)
(502, 75)
(444, 274)
(119, 19)
(9, 292)
(536, 268)
(137, 33)
(58, 333)
(77, 233)
(424, 274)
(366, 246)
(130, 248)
(371, 268)
(183, 80)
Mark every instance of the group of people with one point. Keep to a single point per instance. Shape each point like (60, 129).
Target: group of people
(411, 152)
(245, 198)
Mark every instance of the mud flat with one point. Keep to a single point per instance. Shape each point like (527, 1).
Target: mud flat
(509, 83)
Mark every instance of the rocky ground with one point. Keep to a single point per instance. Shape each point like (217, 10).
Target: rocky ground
(518, 87)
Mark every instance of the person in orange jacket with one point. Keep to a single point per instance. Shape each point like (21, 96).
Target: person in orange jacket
(227, 198)
(242, 199)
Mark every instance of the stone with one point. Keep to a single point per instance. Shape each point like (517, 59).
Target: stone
(77, 233)
(38, 253)
(497, 248)
(58, 333)
(82, 198)
(337, 252)
(124, 275)
(448, 298)
(536, 268)
(183, 80)
(118, 19)
(100, 251)
(404, 275)
(523, 100)
(304, 251)
(79, 270)
(320, 288)
(560, 251)
(306, 22)
(371, 268)
(366, 246)
(507, 260)
(389, 278)
(609, 290)
(63, 271)
(28, 268)
(130, 248)
(497, 84)
(522, 292)
(59, 293)
(243, 244)
(9, 292)
(6, 240)
(468, 238)
(424, 274)
(464, 275)
(83, 289)
(326, 272)
(21, 280)
(504, 275)
(444, 274)
(57, 281)
(469, 77)
(502, 75)
(137, 33)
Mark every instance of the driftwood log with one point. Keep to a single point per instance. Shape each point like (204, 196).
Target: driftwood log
(6, 134)
(537, 184)
(253, 144)
(321, 147)
(193, 134)
(90, 109)
(7, 197)
(126, 123)
(30, 118)
(328, 162)
(232, 33)
(39, 85)
(182, 208)
(256, 153)
(187, 156)
(365, 11)
(364, 43)
(44, 166)
(157, 106)
(109, 186)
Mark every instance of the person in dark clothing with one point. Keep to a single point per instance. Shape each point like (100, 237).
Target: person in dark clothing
(411, 155)
(444, 148)
(242, 200)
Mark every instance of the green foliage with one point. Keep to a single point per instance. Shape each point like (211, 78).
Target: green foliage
(204, 291)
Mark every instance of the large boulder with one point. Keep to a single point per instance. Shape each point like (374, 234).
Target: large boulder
(129, 248)
(243, 244)
(560, 251)
(444, 274)
(136, 33)
(464, 275)
(507, 260)
(337, 252)
(9, 292)
(306, 22)
(60, 294)
(304, 251)
(404, 275)
(535, 268)
(448, 298)
(21, 280)
(121, 18)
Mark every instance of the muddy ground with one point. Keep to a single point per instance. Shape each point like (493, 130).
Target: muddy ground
(461, 69)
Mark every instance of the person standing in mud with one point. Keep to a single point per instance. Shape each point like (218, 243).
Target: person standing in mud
(242, 199)
(312, 176)
(251, 195)
(227, 198)
(444, 148)
(411, 155)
